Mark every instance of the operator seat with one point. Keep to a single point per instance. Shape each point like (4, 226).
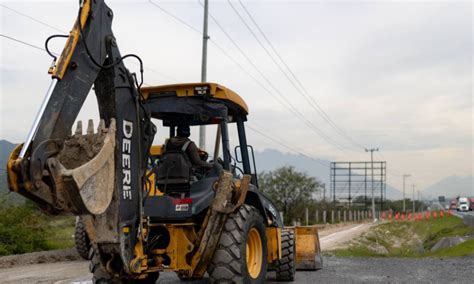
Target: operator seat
(175, 171)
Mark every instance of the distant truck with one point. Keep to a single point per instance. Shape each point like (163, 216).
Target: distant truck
(463, 204)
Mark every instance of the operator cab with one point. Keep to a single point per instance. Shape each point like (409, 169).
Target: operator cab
(179, 189)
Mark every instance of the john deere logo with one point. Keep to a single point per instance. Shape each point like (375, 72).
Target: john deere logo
(126, 167)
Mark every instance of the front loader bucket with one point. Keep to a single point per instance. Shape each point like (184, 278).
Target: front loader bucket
(308, 251)
(83, 172)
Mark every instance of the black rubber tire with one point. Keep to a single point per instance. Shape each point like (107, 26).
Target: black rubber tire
(285, 267)
(229, 263)
(81, 240)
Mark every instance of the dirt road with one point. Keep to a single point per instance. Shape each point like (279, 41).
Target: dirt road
(337, 237)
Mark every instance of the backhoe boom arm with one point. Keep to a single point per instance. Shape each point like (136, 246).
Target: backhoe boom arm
(96, 173)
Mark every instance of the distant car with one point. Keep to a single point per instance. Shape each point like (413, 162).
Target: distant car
(463, 204)
(453, 205)
(471, 205)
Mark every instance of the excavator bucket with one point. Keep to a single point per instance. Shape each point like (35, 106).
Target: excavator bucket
(308, 250)
(79, 179)
(83, 172)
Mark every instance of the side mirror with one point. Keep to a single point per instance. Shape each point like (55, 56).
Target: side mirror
(239, 159)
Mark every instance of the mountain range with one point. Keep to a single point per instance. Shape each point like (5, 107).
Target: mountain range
(5, 150)
(451, 187)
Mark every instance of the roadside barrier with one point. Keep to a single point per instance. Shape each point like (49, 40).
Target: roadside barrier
(410, 216)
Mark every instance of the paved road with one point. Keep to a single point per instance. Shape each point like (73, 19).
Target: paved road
(335, 270)
(462, 214)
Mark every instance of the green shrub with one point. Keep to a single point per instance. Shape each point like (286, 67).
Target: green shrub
(22, 229)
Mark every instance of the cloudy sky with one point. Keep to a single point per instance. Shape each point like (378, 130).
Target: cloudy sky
(396, 75)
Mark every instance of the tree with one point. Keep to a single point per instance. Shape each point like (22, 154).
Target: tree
(290, 190)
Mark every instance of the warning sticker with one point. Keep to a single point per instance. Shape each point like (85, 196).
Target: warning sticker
(182, 207)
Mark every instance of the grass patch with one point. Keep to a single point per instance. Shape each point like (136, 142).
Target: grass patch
(60, 231)
(434, 230)
(25, 229)
(462, 249)
(410, 239)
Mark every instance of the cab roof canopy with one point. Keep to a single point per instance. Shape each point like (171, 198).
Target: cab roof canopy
(194, 103)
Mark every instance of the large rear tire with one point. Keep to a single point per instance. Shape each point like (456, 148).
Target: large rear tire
(81, 239)
(285, 267)
(241, 255)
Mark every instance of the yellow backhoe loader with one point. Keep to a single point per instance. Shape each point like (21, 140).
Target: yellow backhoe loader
(147, 209)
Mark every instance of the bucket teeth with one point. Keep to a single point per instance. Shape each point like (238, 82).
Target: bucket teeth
(101, 127)
(78, 128)
(90, 127)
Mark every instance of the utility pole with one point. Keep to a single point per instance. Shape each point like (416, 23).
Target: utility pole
(324, 192)
(372, 181)
(413, 198)
(404, 176)
(420, 197)
(205, 38)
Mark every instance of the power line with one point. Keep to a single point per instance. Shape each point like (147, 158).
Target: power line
(397, 173)
(319, 161)
(281, 99)
(23, 42)
(294, 111)
(282, 141)
(175, 17)
(33, 19)
(59, 30)
(285, 102)
(221, 49)
(34, 46)
(305, 93)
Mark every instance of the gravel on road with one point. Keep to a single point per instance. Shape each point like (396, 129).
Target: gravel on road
(335, 270)
(391, 270)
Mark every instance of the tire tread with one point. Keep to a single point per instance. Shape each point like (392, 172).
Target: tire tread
(226, 264)
(285, 267)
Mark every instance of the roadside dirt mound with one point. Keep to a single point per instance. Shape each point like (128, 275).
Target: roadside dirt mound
(39, 257)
